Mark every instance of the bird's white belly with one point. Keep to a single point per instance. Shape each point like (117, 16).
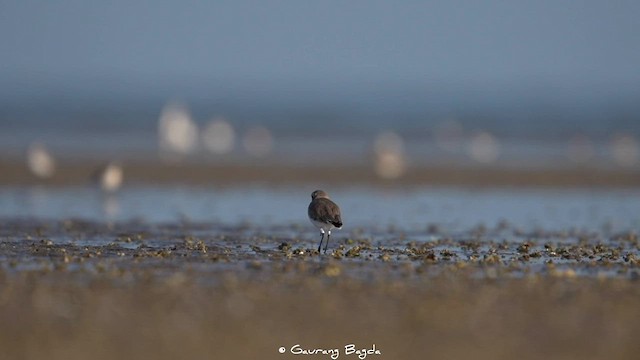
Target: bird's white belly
(324, 227)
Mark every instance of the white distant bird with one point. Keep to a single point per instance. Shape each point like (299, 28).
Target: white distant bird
(218, 136)
(625, 150)
(39, 161)
(110, 177)
(484, 148)
(177, 132)
(389, 155)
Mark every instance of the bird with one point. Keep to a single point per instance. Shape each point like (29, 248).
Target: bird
(325, 215)
(40, 161)
(109, 177)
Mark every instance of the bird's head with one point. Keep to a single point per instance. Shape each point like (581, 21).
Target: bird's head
(319, 194)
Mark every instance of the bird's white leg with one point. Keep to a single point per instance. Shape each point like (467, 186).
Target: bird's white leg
(326, 245)
(321, 239)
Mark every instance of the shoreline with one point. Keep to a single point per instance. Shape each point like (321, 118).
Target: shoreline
(272, 173)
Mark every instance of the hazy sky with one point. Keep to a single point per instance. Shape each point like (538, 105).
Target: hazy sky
(77, 44)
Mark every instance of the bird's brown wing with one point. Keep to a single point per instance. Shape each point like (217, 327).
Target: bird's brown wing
(325, 210)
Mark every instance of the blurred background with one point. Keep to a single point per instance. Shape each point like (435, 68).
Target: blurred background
(398, 86)
(157, 160)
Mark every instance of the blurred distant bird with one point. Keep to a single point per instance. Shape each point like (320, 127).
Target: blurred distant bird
(218, 136)
(177, 132)
(325, 215)
(389, 156)
(484, 148)
(39, 161)
(109, 177)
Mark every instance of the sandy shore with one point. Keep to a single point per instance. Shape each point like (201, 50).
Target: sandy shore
(51, 315)
(75, 289)
(272, 173)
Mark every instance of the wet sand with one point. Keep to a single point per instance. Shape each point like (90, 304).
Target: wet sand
(77, 289)
(271, 172)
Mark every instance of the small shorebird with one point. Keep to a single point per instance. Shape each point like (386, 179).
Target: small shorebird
(325, 215)
(40, 161)
(109, 177)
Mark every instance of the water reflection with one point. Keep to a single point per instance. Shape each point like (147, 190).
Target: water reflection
(363, 207)
(35, 200)
(110, 206)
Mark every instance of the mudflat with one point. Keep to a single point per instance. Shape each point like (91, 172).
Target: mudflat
(74, 289)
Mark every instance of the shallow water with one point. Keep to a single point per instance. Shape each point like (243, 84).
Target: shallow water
(399, 232)
(372, 209)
